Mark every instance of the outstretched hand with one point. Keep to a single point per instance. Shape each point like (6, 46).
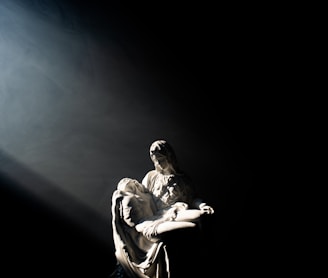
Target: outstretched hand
(206, 209)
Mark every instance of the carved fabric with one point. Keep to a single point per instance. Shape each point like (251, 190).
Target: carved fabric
(139, 256)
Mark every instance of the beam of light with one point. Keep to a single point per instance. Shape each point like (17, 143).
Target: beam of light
(49, 121)
(42, 94)
(69, 104)
(72, 108)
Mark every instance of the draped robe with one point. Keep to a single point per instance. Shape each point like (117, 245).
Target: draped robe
(140, 256)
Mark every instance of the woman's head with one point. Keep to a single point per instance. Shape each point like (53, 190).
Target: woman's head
(163, 156)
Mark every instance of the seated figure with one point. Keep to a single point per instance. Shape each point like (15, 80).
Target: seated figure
(138, 225)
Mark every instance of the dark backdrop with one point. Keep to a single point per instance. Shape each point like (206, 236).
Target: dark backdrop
(86, 88)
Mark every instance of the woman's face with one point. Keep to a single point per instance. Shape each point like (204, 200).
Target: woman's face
(158, 155)
(160, 161)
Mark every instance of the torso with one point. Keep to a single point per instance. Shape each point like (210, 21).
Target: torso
(167, 189)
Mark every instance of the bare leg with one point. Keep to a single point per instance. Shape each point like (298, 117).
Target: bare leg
(188, 215)
(173, 225)
(183, 219)
(166, 226)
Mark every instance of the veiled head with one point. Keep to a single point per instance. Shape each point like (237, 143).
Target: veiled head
(163, 155)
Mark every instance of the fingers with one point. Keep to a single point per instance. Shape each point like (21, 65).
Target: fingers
(207, 209)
